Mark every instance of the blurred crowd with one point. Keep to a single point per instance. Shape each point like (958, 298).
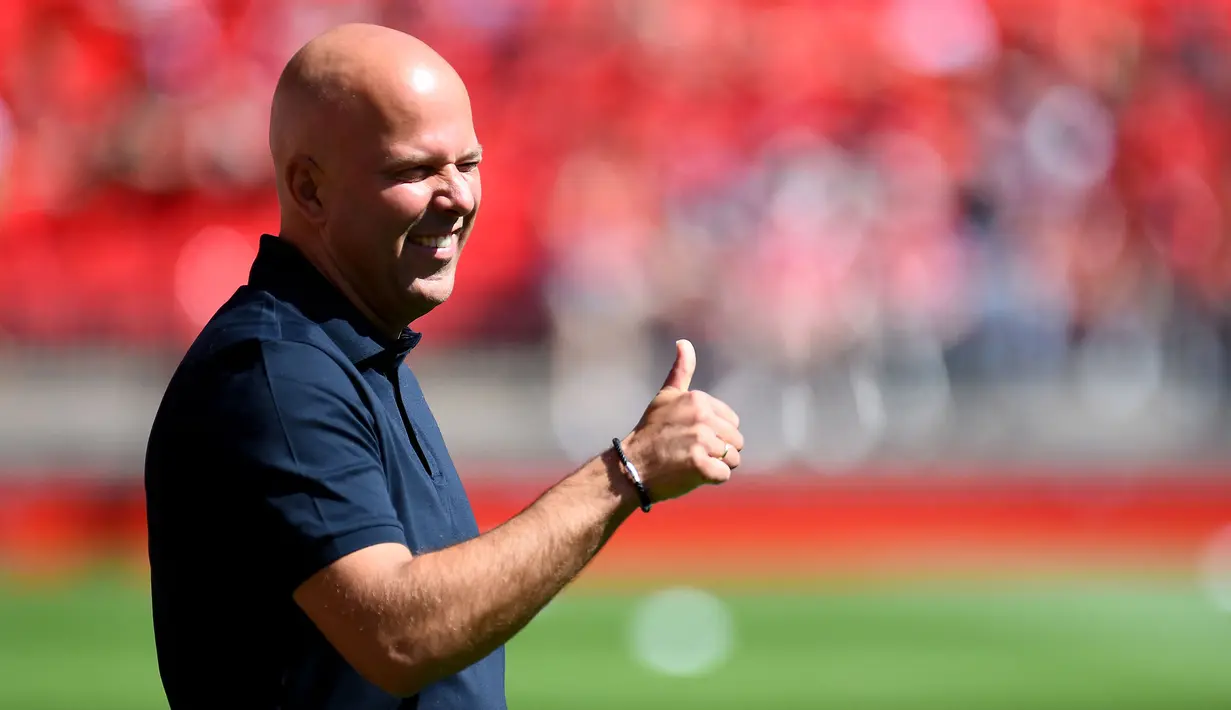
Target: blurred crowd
(991, 183)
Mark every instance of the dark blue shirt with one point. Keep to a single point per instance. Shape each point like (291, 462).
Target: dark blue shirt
(291, 435)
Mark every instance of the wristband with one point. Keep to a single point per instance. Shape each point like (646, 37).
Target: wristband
(642, 493)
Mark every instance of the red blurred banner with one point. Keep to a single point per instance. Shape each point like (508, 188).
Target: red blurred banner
(785, 526)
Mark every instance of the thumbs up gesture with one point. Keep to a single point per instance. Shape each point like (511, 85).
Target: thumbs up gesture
(686, 438)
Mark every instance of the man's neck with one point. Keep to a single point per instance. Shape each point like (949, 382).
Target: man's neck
(318, 254)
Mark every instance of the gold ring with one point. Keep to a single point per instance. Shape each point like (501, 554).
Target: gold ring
(726, 449)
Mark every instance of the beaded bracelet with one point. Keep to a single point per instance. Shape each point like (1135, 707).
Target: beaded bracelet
(642, 493)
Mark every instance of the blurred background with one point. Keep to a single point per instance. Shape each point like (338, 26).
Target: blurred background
(962, 266)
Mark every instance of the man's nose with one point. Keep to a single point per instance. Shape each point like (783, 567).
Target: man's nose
(454, 192)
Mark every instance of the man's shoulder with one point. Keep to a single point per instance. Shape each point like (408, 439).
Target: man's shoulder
(256, 334)
(254, 315)
(258, 366)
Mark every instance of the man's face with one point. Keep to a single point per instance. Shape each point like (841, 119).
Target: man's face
(406, 194)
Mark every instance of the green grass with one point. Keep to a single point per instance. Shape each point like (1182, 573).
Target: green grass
(1058, 646)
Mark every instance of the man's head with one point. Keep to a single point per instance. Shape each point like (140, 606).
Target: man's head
(377, 167)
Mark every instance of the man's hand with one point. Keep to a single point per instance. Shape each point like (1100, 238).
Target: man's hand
(680, 442)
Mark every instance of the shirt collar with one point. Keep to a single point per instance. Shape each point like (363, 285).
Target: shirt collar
(281, 269)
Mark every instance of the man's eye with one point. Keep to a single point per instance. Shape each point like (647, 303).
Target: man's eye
(415, 174)
(468, 166)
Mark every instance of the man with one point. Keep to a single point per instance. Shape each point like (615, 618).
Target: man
(310, 543)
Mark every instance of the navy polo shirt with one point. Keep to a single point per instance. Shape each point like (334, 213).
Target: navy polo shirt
(291, 435)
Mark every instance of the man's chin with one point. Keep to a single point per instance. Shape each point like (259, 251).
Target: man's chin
(429, 293)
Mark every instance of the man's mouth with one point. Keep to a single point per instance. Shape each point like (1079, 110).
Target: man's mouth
(441, 246)
(437, 242)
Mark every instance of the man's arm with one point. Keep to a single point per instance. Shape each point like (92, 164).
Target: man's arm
(404, 621)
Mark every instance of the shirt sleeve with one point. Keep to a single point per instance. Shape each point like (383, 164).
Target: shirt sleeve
(304, 459)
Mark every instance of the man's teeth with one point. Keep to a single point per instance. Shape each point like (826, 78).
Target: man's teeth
(437, 242)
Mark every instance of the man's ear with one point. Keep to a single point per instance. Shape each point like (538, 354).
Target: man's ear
(303, 180)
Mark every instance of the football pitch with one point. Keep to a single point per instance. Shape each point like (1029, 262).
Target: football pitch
(1059, 645)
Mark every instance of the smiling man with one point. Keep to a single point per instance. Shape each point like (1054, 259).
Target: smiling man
(378, 160)
(311, 544)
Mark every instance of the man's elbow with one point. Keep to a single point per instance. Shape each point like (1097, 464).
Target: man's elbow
(394, 678)
(396, 681)
(403, 669)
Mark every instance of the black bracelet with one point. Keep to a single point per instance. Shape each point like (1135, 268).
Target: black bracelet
(642, 493)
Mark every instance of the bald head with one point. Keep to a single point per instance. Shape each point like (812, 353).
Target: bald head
(355, 78)
(376, 158)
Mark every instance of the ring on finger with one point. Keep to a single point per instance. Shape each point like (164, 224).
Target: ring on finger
(726, 449)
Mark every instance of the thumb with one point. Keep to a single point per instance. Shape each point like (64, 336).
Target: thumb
(680, 376)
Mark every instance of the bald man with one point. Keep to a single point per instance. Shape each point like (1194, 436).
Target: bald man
(311, 544)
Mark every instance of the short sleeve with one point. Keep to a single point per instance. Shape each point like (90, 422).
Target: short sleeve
(303, 454)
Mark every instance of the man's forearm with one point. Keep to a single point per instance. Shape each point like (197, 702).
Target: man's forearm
(467, 600)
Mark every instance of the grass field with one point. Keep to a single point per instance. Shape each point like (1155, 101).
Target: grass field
(1056, 646)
